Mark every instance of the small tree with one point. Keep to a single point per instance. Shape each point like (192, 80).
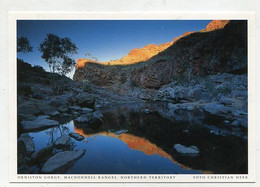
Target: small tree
(57, 53)
(23, 45)
(66, 66)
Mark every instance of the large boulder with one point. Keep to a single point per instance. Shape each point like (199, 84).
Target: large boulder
(85, 100)
(45, 108)
(61, 161)
(42, 154)
(21, 153)
(62, 100)
(189, 151)
(95, 118)
(83, 118)
(28, 108)
(62, 141)
(40, 122)
(28, 142)
(25, 169)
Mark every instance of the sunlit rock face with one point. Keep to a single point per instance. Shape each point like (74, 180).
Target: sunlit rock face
(81, 62)
(140, 54)
(221, 47)
(216, 24)
(134, 56)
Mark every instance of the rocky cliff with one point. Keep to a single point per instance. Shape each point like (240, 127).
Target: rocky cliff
(220, 47)
(216, 24)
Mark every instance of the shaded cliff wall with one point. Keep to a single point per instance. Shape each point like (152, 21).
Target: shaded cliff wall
(218, 48)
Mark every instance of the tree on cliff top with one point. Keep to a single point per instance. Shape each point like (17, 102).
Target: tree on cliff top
(23, 45)
(57, 53)
(90, 57)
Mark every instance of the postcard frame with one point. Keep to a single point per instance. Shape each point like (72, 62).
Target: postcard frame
(35, 178)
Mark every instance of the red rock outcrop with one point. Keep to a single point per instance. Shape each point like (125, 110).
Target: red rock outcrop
(140, 54)
(133, 57)
(82, 61)
(216, 24)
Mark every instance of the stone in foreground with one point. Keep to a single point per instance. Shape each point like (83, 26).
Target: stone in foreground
(83, 118)
(62, 141)
(39, 123)
(96, 118)
(42, 154)
(24, 169)
(28, 142)
(76, 136)
(188, 151)
(61, 161)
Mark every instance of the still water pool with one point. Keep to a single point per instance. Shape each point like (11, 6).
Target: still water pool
(133, 141)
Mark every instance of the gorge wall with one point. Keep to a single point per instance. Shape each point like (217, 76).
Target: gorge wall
(220, 47)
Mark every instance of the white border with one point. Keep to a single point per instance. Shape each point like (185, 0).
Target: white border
(13, 16)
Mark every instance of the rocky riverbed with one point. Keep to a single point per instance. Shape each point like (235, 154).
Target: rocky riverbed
(185, 143)
(215, 104)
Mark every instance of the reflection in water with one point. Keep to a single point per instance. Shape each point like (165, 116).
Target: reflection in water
(136, 143)
(147, 147)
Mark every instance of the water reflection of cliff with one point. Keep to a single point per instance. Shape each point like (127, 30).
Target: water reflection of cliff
(154, 134)
(144, 130)
(135, 143)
